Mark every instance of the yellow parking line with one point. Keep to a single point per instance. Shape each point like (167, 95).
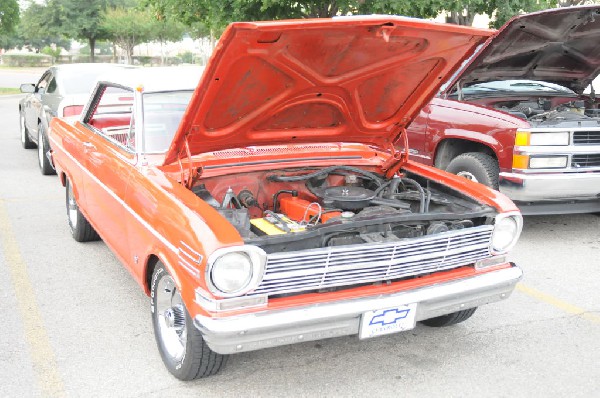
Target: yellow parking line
(555, 302)
(40, 351)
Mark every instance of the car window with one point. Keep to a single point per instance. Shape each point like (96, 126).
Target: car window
(162, 116)
(112, 116)
(51, 86)
(43, 83)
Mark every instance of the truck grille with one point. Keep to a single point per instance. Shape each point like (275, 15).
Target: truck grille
(585, 160)
(586, 138)
(315, 269)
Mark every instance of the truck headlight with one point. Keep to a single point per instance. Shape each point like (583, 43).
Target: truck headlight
(527, 138)
(540, 162)
(235, 271)
(507, 229)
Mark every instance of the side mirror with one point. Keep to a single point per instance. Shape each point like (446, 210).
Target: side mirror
(27, 88)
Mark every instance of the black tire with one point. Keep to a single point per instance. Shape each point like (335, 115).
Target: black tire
(43, 148)
(476, 166)
(450, 319)
(25, 140)
(81, 229)
(182, 348)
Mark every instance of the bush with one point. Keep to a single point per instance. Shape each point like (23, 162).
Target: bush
(53, 52)
(27, 59)
(187, 57)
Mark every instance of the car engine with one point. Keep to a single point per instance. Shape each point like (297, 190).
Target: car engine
(543, 113)
(304, 208)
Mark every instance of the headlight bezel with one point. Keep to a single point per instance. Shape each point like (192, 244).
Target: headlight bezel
(500, 218)
(257, 258)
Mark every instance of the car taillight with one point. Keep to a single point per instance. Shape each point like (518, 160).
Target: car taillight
(72, 110)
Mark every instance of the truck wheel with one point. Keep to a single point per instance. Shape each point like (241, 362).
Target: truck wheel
(81, 229)
(449, 319)
(477, 167)
(25, 140)
(43, 148)
(182, 348)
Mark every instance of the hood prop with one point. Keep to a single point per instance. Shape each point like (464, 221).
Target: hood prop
(398, 158)
(192, 173)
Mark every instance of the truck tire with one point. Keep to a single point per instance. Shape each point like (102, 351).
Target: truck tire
(181, 345)
(449, 319)
(81, 229)
(477, 167)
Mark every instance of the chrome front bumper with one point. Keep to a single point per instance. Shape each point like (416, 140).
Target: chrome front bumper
(315, 322)
(555, 187)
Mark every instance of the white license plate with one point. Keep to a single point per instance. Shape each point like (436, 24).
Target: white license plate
(386, 321)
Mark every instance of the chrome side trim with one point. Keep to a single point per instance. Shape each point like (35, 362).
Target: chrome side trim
(272, 328)
(135, 215)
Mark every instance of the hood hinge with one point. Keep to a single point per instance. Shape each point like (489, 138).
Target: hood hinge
(193, 173)
(398, 158)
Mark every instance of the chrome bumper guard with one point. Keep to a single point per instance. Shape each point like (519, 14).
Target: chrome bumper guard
(273, 328)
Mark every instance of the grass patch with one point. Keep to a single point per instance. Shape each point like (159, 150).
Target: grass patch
(9, 90)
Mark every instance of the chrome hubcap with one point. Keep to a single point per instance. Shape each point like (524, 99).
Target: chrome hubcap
(467, 175)
(72, 208)
(40, 147)
(22, 122)
(172, 328)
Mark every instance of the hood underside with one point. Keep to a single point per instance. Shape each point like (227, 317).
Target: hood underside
(560, 46)
(355, 79)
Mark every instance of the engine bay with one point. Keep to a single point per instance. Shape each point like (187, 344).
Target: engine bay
(548, 112)
(296, 209)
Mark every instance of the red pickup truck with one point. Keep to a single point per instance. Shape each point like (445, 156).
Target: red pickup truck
(522, 116)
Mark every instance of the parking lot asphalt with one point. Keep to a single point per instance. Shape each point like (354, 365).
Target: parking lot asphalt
(74, 323)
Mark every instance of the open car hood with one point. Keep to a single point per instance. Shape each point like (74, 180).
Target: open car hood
(348, 79)
(559, 46)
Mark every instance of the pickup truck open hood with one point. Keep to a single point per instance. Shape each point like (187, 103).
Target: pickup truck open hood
(559, 46)
(348, 79)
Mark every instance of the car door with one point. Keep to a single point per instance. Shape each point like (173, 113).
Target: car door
(110, 160)
(34, 106)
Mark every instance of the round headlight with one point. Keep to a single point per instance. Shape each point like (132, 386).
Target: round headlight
(234, 271)
(506, 232)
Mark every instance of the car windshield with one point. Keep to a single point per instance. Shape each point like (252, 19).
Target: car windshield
(517, 86)
(162, 116)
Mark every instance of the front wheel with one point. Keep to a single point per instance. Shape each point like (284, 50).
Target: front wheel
(450, 319)
(81, 229)
(25, 140)
(477, 167)
(182, 348)
(43, 148)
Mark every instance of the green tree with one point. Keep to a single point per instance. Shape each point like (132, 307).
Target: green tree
(40, 27)
(128, 27)
(9, 16)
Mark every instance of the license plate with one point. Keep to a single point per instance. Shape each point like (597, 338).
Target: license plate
(386, 321)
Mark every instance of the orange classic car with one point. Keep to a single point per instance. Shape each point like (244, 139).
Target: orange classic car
(267, 203)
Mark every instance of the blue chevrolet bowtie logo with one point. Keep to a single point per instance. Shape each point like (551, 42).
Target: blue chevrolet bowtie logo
(389, 317)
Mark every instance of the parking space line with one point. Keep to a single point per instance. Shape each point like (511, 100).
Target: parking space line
(557, 303)
(40, 350)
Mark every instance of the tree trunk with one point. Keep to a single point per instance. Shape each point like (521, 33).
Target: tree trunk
(92, 43)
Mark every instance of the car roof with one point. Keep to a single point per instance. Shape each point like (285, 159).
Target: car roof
(156, 79)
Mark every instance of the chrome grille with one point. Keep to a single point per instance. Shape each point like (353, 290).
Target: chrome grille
(586, 137)
(585, 160)
(314, 269)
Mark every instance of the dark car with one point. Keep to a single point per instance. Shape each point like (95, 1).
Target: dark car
(61, 91)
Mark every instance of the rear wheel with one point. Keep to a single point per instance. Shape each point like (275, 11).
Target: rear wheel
(43, 148)
(182, 348)
(25, 140)
(450, 319)
(81, 229)
(477, 167)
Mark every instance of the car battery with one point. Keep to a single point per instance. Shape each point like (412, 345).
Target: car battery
(275, 224)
